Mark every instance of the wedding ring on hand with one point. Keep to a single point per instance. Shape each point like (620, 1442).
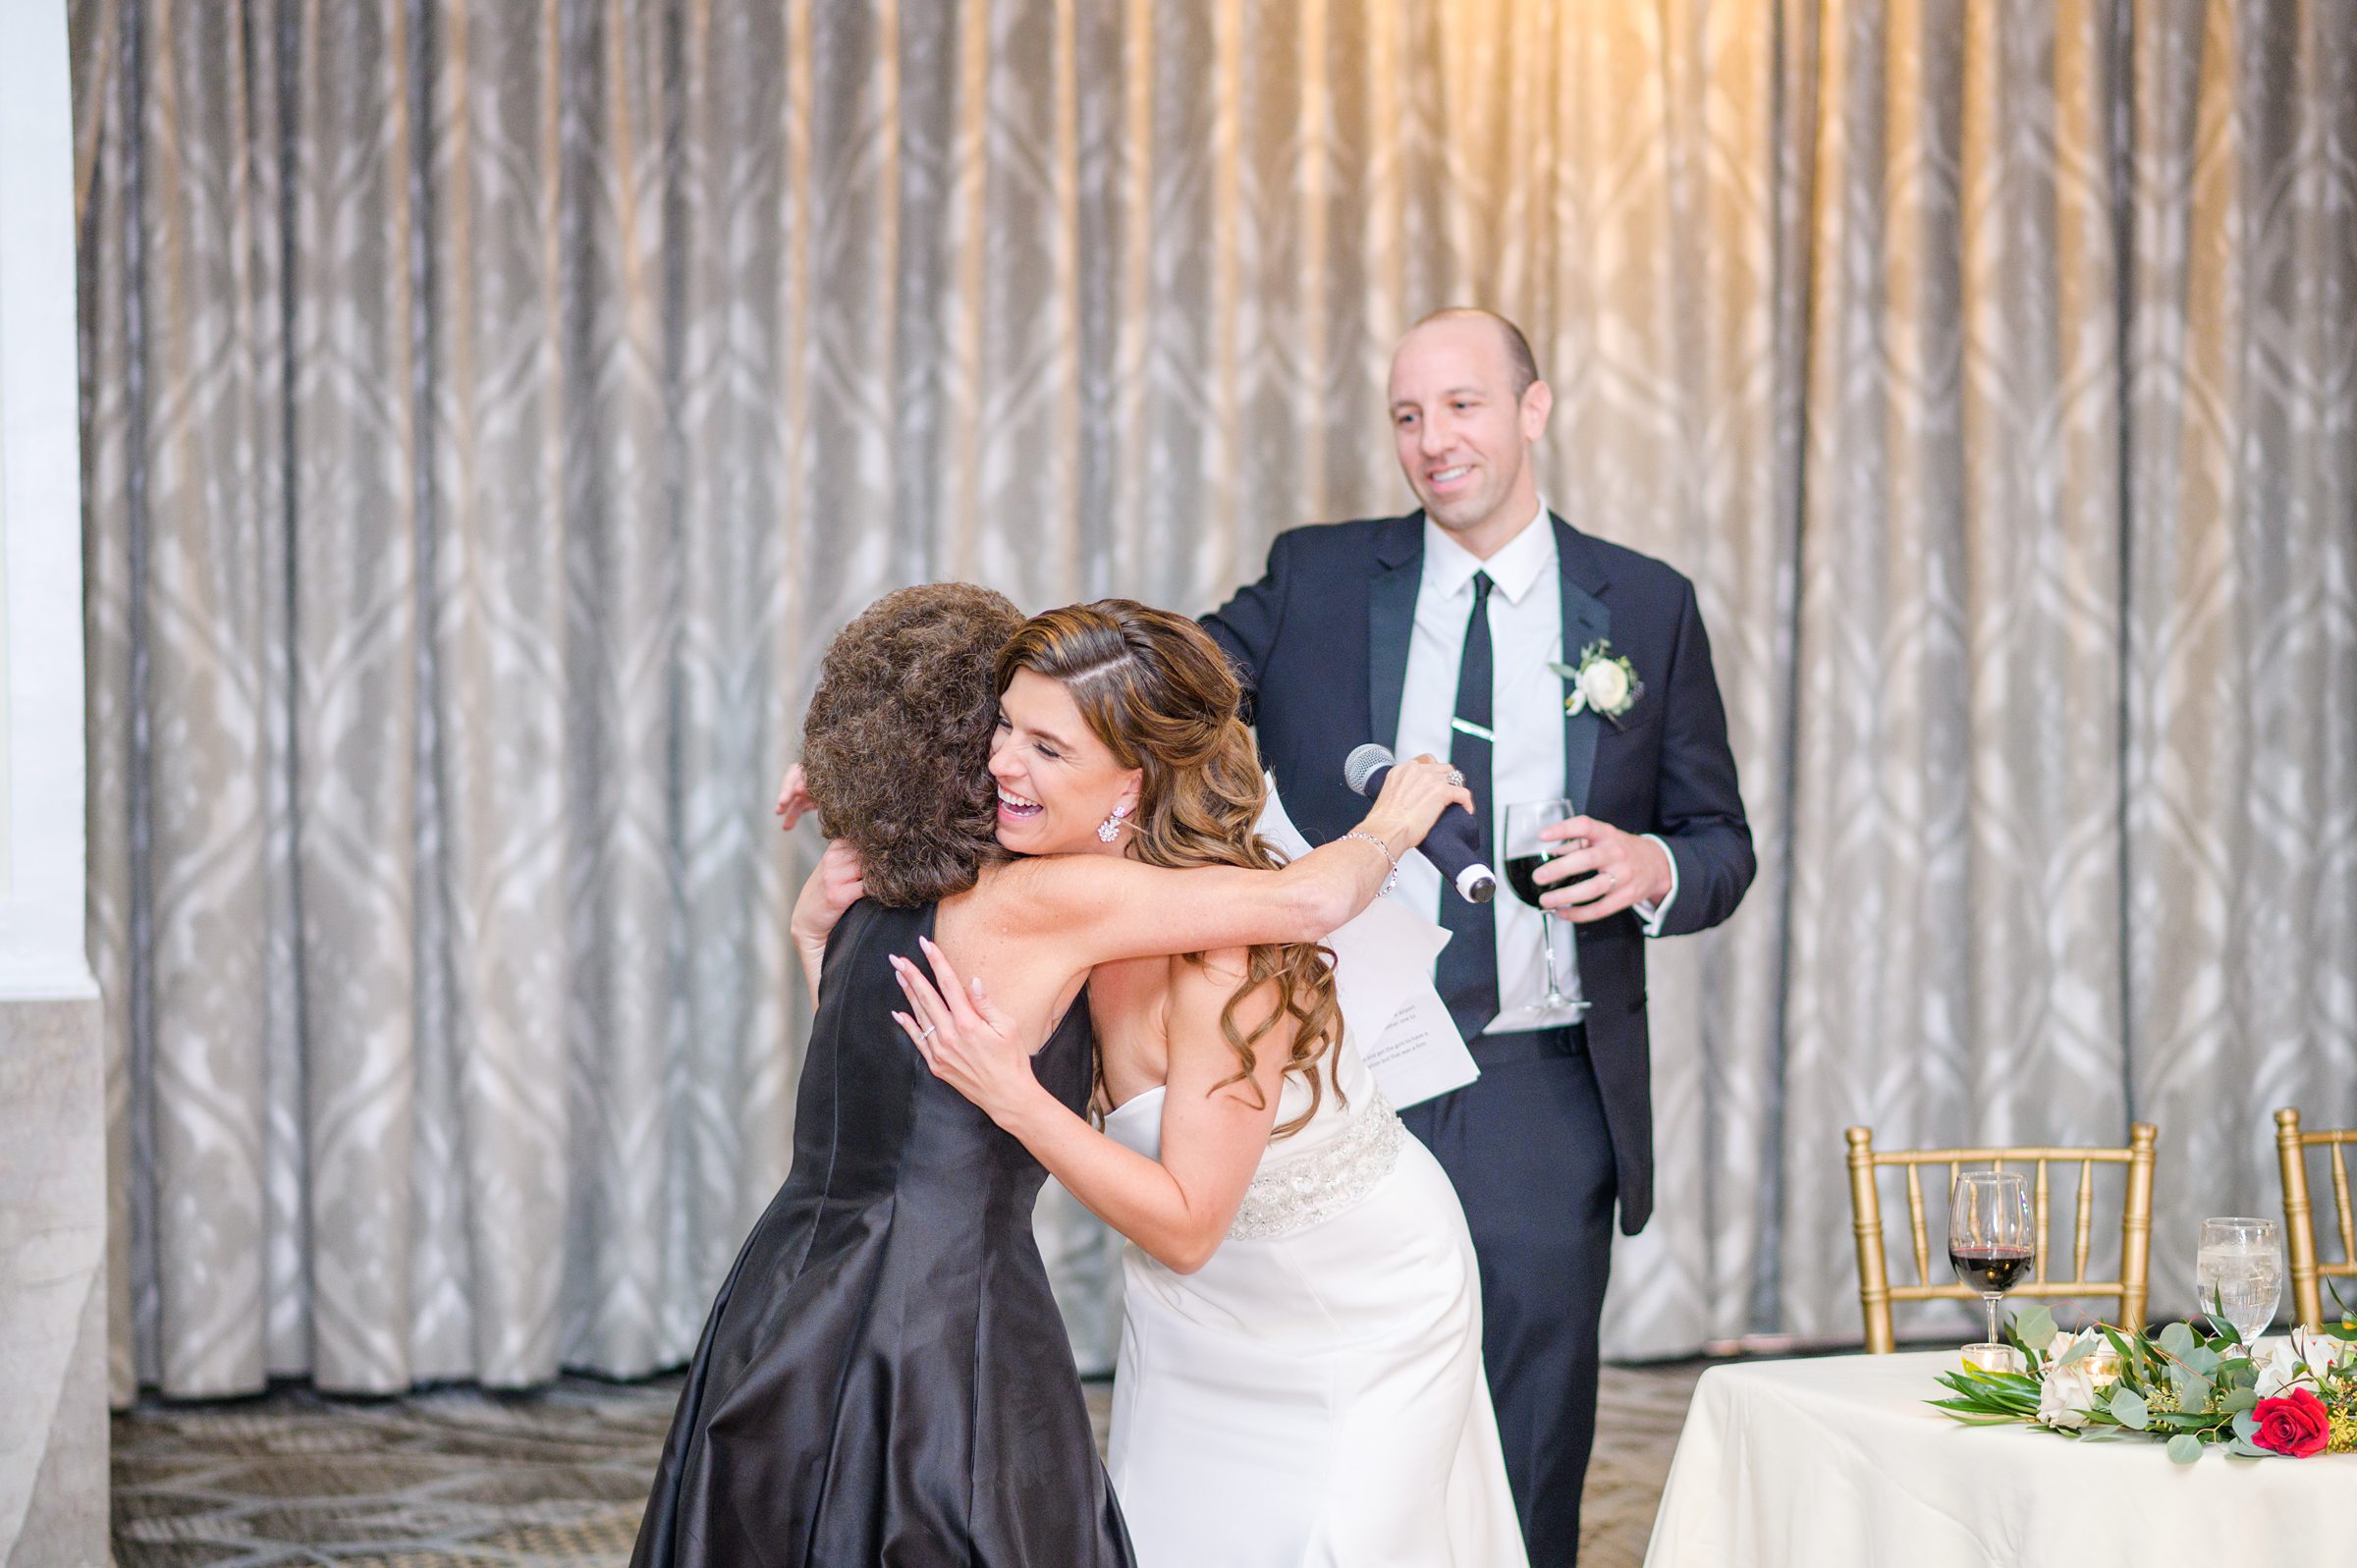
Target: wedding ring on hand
(1456, 778)
(929, 1031)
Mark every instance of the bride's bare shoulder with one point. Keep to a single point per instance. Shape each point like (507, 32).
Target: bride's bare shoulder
(1201, 989)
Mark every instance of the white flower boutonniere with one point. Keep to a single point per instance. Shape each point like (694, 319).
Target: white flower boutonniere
(1602, 683)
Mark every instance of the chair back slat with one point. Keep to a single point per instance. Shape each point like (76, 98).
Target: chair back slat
(1923, 1244)
(2308, 1270)
(1876, 1292)
(2083, 1222)
(2136, 1224)
(1866, 1228)
(2039, 1202)
(1956, 1158)
(2341, 1203)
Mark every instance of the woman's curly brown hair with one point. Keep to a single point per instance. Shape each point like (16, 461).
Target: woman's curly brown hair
(895, 749)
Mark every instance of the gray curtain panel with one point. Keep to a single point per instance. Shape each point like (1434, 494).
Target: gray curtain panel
(493, 409)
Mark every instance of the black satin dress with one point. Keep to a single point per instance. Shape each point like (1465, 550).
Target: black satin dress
(885, 1378)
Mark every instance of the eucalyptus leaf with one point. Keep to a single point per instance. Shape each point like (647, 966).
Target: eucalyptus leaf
(2244, 1448)
(2078, 1351)
(2203, 1360)
(2246, 1426)
(2034, 1325)
(2127, 1408)
(2241, 1401)
(2179, 1340)
(2184, 1448)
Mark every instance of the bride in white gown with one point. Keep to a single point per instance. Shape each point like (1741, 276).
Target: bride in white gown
(1321, 1375)
(1301, 1381)
(1314, 1393)
(1310, 1397)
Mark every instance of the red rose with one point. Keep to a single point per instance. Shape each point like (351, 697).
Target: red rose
(2293, 1423)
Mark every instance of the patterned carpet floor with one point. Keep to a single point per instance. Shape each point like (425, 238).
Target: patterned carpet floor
(556, 1478)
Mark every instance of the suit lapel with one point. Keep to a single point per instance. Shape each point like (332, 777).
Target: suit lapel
(1398, 570)
(1585, 620)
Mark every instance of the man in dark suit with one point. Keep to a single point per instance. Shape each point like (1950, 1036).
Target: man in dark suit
(1544, 664)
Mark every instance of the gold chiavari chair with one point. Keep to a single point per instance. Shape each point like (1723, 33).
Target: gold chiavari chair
(1876, 1292)
(2299, 1220)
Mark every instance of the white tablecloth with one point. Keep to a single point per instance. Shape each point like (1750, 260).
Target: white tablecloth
(1835, 1461)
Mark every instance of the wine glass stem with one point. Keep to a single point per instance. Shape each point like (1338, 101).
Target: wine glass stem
(1991, 1301)
(1554, 990)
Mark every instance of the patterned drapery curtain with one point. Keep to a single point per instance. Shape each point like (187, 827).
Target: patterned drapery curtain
(492, 411)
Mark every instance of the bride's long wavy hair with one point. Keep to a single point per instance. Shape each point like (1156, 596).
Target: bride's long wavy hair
(1160, 695)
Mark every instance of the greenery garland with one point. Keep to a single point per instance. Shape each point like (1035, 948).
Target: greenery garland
(2192, 1387)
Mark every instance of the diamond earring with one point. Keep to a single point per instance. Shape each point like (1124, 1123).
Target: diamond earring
(1111, 827)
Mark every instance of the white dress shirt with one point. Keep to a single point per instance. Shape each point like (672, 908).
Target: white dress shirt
(1526, 709)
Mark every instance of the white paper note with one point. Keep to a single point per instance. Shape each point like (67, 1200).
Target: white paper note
(1419, 1054)
(1383, 981)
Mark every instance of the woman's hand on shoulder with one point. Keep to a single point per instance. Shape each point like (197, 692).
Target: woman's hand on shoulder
(966, 1041)
(839, 883)
(836, 886)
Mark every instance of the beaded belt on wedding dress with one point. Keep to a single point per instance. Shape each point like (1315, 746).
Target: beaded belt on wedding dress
(1325, 1181)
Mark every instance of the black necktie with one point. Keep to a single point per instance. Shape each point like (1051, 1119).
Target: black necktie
(1468, 972)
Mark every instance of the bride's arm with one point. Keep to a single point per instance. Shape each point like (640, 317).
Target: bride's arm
(1213, 1134)
(1093, 910)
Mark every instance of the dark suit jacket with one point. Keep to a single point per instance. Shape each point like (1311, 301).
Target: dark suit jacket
(1321, 642)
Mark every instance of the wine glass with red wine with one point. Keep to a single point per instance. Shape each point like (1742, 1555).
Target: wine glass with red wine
(1525, 854)
(1988, 1241)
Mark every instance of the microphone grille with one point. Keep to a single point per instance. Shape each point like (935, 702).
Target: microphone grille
(1361, 764)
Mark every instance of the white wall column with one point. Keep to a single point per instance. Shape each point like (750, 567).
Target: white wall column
(53, 1440)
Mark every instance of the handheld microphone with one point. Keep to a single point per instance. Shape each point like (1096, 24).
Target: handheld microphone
(1454, 843)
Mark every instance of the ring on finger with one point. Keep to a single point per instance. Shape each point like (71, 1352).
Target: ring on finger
(1456, 778)
(929, 1031)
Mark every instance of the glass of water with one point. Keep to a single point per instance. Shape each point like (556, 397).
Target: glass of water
(2239, 1273)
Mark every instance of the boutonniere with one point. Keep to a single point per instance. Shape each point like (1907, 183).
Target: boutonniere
(1602, 683)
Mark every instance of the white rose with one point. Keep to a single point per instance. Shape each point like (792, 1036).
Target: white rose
(2321, 1351)
(2278, 1369)
(1605, 685)
(2064, 1397)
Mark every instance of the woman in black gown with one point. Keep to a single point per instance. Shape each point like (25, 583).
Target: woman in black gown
(884, 1378)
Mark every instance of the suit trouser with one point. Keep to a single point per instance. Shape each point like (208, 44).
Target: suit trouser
(1529, 1150)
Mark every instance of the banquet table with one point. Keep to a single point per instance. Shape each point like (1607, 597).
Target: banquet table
(1838, 1460)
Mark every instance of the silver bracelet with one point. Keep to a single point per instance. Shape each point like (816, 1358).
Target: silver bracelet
(1389, 882)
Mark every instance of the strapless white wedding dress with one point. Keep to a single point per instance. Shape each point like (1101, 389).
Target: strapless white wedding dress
(1313, 1396)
